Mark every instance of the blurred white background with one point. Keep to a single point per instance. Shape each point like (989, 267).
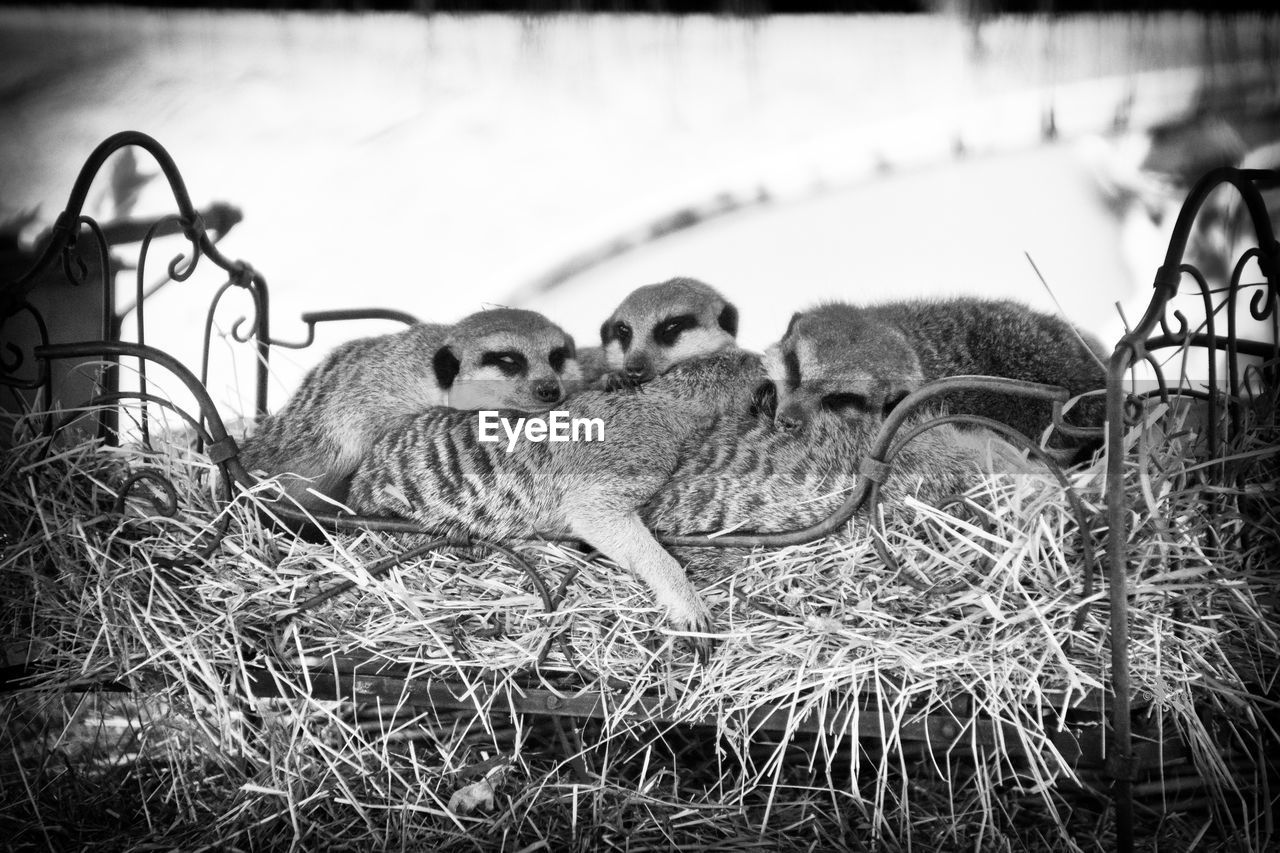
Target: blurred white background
(439, 164)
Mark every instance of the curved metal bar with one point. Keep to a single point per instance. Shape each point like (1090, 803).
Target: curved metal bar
(1211, 337)
(119, 396)
(881, 445)
(141, 309)
(243, 276)
(1262, 305)
(1233, 356)
(1168, 275)
(312, 318)
(193, 229)
(257, 286)
(1248, 347)
(384, 565)
(64, 228)
(167, 508)
(244, 338)
(208, 328)
(220, 529)
(1130, 348)
(1181, 334)
(1075, 431)
(74, 269)
(1121, 360)
(1161, 383)
(217, 431)
(549, 602)
(1022, 442)
(110, 328)
(218, 217)
(8, 368)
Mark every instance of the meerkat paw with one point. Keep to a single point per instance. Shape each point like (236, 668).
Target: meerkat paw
(623, 538)
(618, 381)
(695, 619)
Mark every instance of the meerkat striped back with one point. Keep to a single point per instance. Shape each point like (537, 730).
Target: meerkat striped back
(434, 467)
(751, 475)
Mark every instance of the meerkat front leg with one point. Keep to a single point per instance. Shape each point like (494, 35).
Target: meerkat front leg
(624, 539)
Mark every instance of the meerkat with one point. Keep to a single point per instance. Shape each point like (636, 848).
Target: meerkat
(671, 451)
(750, 474)
(660, 325)
(497, 359)
(436, 468)
(860, 361)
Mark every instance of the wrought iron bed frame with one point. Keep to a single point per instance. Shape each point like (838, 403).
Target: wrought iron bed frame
(1123, 757)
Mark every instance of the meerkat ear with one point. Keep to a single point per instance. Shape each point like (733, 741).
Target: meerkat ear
(729, 319)
(446, 366)
(792, 324)
(764, 401)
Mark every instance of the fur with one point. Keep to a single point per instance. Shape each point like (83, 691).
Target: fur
(498, 359)
(683, 455)
(859, 361)
(660, 325)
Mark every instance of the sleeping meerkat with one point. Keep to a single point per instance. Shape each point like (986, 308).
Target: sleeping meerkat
(498, 359)
(749, 474)
(686, 456)
(437, 468)
(660, 325)
(860, 361)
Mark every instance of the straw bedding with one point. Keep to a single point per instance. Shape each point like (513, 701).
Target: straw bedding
(981, 612)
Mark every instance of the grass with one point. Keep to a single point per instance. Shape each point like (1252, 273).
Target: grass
(982, 615)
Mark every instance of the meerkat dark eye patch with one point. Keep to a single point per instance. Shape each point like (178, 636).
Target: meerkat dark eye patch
(615, 331)
(669, 330)
(510, 362)
(792, 363)
(845, 403)
(559, 356)
(446, 365)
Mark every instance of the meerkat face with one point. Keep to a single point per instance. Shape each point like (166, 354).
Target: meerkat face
(834, 360)
(506, 359)
(661, 325)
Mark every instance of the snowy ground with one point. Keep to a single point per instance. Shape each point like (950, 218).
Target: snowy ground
(440, 164)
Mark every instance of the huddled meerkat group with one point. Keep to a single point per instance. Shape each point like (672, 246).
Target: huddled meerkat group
(698, 434)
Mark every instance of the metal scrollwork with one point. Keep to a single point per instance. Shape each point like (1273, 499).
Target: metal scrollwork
(1180, 335)
(1131, 349)
(1124, 410)
(193, 230)
(12, 358)
(165, 504)
(1262, 304)
(74, 268)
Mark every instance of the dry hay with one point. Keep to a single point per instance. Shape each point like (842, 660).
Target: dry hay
(983, 604)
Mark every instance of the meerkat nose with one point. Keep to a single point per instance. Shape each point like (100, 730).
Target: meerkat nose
(548, 392)
(639, 369)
